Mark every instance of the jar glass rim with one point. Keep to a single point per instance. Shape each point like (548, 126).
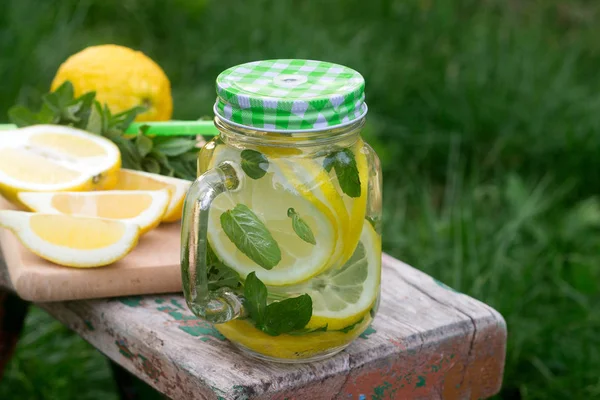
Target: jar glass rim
(292, 132)
(288, 139)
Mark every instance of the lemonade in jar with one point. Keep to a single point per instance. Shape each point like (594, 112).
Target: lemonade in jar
(281, 245)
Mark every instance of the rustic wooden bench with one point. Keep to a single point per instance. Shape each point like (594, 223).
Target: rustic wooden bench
(427, 341)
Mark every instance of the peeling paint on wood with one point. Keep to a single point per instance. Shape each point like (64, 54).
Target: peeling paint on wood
(131, 301)
(191, 324)
(427, 342)
(150, 367)
(442, 284)
(365, 335)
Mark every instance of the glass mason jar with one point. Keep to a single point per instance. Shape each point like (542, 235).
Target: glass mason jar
(281, 245)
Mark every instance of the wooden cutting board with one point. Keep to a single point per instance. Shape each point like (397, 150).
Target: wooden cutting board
(152, 267)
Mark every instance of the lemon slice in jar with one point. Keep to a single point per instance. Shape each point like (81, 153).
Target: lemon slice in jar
(356, 207)
(269, 198)
(311, 179)
(314, 184)
(342, 297)
(292, 347)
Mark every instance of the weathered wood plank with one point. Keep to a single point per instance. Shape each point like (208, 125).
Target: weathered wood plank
(427, 341)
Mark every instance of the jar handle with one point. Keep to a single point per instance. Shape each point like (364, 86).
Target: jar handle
(216, 306)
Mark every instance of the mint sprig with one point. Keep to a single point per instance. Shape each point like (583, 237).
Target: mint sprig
(251, 236)
(301, 228)
(220, 275)
(254, 163)
(279, 317)
(171, 156)
(344, 164)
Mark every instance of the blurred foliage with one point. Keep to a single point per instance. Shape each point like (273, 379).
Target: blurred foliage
(483, 112)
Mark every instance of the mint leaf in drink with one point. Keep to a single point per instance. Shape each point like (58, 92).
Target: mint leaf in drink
(348, 328)
(287, 315)
(344, 164)
(306, 331)
(250, 235)
(255, 294)
(301, 227)
(254, 163)
(219, 274)
(222, 276)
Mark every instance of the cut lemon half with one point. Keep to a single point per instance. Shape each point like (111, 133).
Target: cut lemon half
(143, 208)
(72, 241)
(270, 197)
(342, 297)
(129, 179)
(45, 158)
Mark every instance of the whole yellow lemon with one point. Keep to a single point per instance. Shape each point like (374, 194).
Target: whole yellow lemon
(122, 78)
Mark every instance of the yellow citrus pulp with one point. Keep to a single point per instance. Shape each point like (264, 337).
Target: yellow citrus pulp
(342, 301)
(142, 208)
(293, 182)
(287, 346)
(122, 79)
(71, 240)
(137, 180)
(269, 198)
(310, 178)
(342, 296)
(44, 158)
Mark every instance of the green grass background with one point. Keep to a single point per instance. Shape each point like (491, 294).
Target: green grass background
(486, 115)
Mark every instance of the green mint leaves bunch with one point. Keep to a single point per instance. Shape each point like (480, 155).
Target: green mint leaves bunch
(171, 156)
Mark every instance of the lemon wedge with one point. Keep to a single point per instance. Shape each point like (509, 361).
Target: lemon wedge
(143, 208)
(129, 179)
(45, 158)
(270, 197)
(72, 241)
(343, 296)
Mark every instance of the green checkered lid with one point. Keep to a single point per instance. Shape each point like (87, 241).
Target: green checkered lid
(290, 95)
